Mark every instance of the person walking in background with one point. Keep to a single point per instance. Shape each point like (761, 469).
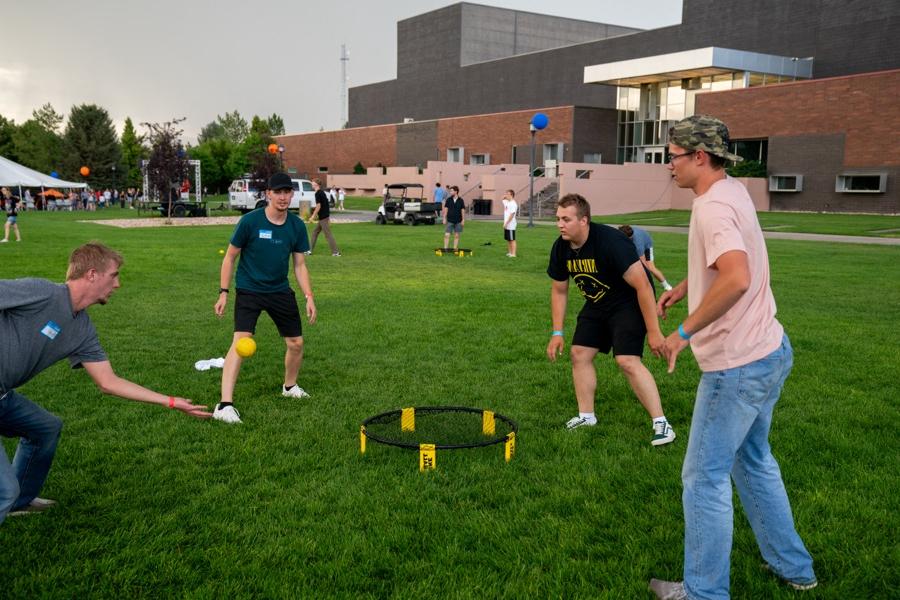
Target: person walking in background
(42, 323)
(323, 212)
(12, 211)
(745, 357)
(340, 198)
(510, 210)
(643, 243)
(619, 311)
(454, 217)
(266, 240)
(439, 195)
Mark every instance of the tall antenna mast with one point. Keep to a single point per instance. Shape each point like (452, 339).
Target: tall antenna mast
(345, 58)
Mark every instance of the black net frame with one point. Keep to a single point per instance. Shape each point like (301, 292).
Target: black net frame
(424, 410)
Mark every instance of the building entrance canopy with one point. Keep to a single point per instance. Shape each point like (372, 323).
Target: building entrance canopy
(691, 64)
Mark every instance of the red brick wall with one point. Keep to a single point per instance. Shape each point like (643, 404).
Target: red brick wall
(863, 107)
(340, 150)
(496, 134)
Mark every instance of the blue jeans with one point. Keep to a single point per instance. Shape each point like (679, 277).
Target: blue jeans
(38, 432)
(729, 440)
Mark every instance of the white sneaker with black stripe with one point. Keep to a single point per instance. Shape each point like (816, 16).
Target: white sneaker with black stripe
(295, 391)
(579, 421)
(226, 413)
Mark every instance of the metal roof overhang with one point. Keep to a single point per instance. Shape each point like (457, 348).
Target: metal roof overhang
(695, 63)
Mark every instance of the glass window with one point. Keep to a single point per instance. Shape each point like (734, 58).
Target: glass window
(861, 183)
(785, 183)
(592, 157)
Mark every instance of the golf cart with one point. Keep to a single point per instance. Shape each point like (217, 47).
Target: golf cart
(406, 203)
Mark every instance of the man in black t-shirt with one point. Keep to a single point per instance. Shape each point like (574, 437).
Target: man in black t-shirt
(619, 310)
(12, 212)
(454, 217)
(323, 211)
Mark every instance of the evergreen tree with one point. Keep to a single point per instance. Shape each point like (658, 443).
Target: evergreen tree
(48, 118)
(90, 140)
(276, 125)
(133, 151)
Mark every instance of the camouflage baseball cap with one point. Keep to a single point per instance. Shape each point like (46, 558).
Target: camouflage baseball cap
(702, 132)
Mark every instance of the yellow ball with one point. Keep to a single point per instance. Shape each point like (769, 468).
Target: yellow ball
(246, 347)
(221, 252)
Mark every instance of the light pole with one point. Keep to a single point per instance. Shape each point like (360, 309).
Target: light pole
(538, 122)
(281, 155)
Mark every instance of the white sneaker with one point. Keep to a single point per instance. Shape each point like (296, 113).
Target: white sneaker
(662, 433)
(3, 241)
(308, 253)
(226, 413)
(335, 253)
(295, 392)
(576, 422)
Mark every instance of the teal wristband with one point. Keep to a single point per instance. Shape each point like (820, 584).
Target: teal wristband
(682, 333)
(556, 332)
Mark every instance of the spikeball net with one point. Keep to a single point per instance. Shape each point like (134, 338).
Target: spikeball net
(429, 429)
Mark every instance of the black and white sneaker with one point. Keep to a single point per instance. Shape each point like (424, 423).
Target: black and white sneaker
(226, 413)
(579, 421)
(662, 433)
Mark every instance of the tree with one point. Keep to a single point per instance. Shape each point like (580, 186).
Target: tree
(48, 118)
(216, 165)
(90, 140)
(276, 125)
(7, 145)
(211, 131)
(167, 166)
(261, 128)
(359, 169)
(36, 147)
(748, 168)
(234, 127)
(133, 151)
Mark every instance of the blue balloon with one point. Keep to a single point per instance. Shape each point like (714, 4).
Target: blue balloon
(54, 174)
(539, 121)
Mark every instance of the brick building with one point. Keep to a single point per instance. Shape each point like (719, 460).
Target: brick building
(806, 87)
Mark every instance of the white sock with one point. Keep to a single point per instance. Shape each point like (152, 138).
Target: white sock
(589, 417)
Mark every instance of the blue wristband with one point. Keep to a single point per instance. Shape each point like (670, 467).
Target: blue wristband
(556, 332)
(684, 334)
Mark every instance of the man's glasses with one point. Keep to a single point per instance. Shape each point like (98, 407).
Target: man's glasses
(671, 157)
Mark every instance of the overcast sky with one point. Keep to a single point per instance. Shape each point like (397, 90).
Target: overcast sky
(153, 60)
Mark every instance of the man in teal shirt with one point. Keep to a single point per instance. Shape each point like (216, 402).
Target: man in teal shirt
(266, 239)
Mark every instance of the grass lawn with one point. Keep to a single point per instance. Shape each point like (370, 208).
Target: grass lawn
(154, 504)
(791, 222)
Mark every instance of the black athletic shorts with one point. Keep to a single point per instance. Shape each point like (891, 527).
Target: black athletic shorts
(281, 306)
(509, 235)
(623, 330)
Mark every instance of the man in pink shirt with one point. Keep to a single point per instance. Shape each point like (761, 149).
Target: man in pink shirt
(745, 357)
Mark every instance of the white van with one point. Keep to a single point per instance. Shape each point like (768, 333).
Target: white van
(243, 195)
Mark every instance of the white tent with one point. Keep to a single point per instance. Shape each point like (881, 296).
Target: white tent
(12, 174)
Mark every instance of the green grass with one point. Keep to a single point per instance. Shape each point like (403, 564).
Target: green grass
(790, 222)
(154, 504)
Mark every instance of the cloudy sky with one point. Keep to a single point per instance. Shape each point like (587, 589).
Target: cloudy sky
(153, 60)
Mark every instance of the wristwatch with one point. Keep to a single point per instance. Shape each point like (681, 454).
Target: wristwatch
(223, 290)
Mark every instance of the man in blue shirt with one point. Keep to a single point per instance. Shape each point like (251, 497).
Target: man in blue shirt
(439, 195)
(643, 243)
(266, 239)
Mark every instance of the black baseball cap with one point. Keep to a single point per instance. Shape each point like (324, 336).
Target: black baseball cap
(280, 181)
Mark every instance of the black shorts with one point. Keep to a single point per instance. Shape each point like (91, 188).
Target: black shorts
(623, 330)
(281, 306)
(509, 235)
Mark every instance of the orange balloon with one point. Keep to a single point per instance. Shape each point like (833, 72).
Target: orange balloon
(273, 148)
(85, 171)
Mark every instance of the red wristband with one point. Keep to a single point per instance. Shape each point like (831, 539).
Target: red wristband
(171, 401)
